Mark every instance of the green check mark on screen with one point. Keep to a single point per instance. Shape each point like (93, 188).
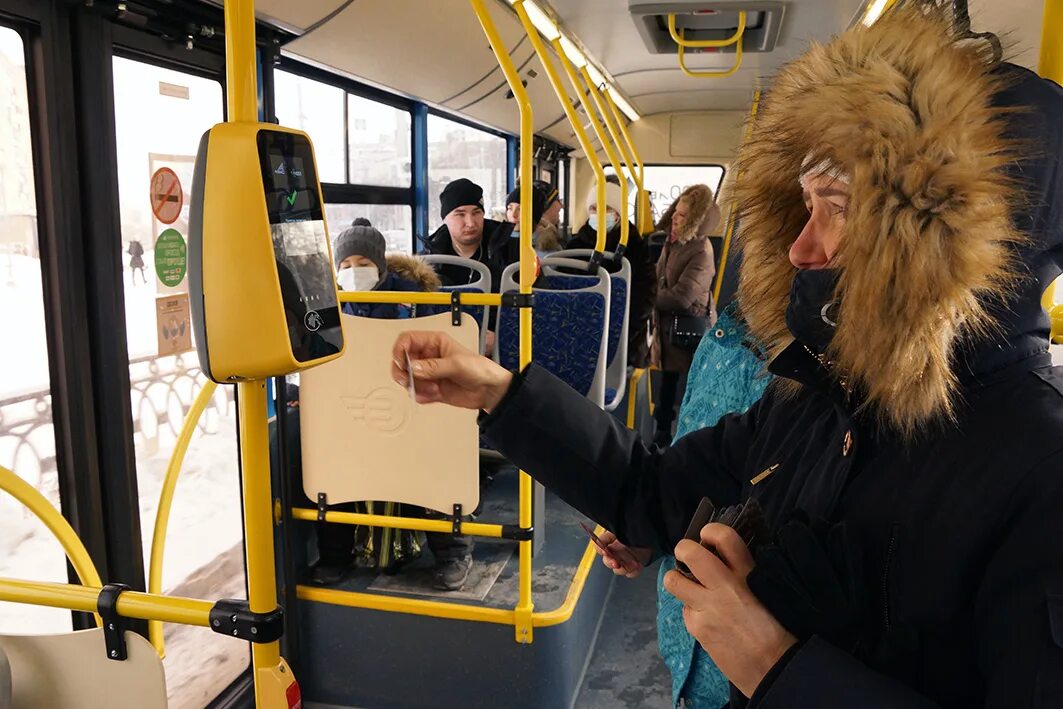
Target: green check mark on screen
(292, 196)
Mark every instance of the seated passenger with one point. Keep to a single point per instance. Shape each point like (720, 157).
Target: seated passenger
(643, 270)
(362, 266)
(546, 236)
(467, 234)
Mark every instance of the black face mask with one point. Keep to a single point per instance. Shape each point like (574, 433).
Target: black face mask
(812, 313)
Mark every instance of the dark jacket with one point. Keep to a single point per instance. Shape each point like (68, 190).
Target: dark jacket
(407, 274)
(643, 284)
(946, 471)
(497, 250)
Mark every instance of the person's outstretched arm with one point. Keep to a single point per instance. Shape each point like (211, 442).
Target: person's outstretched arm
(583, 454)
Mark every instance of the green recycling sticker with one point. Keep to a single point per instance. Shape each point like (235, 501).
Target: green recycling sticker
(171, 258)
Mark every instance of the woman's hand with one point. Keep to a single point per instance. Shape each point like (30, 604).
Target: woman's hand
(736, 630)
(446, 372)
(622, 560)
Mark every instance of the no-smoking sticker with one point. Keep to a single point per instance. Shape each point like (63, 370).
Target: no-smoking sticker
(167, 197)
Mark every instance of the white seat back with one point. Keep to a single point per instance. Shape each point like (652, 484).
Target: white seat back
(481, 283)
(72, 671)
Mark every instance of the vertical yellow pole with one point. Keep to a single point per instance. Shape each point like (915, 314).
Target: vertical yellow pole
(599, 131)
(608, 112)
(271, 673)
(729, 234)
(523, 611)
(577, 125)
(608, 138)
(1050, 66)
(642, 206)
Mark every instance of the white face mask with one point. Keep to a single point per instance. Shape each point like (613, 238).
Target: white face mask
(611, 220)
(360, 278)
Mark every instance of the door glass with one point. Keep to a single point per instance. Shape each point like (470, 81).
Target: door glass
(457, 150)
(28, 551)
(160, 115)
(666, 182)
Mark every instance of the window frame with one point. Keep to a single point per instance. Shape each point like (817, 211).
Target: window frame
(416, 195)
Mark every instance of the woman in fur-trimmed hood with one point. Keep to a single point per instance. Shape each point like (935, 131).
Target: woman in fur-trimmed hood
(901, 209)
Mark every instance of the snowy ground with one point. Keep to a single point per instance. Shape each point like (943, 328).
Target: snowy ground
(203, 545)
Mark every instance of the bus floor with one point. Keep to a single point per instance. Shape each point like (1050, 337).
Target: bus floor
(625, 669)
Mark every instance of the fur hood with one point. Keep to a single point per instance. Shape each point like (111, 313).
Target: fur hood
(704, 218)
(415, 270)
(929, 239)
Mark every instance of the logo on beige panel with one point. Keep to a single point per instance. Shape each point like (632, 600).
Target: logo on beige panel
(385, 410)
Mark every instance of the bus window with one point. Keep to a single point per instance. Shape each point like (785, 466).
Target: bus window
(379, 141)
(160, 115)
(457, 150)
(395, 222)
(317, 109)
(27, 439)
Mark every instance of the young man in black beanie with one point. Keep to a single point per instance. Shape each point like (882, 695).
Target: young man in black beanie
(466, 233)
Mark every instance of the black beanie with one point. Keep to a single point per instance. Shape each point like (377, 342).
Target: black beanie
(538, 201)
(549, 192)
(361, 241)
(460, 193)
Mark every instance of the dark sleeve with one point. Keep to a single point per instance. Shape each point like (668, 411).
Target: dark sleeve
(695, 279)
(643, 275)
(1017, 624)
(602, 468)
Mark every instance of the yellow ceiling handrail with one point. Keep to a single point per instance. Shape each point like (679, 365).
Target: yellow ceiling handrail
(679, 36)
(699, 74)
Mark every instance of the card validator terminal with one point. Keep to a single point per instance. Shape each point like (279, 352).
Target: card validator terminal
(261, 281)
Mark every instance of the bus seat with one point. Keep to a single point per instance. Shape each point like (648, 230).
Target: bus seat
(619, 317)
(364, 439)
(72, 670)
(480, 283)
(570, 332)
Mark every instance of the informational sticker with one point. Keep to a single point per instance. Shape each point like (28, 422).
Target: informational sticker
(174, 320)
(171, 258)
(167, 197)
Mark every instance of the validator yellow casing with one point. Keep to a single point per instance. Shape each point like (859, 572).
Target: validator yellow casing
(261, 279)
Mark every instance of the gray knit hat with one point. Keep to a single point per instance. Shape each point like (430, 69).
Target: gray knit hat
(361, 241)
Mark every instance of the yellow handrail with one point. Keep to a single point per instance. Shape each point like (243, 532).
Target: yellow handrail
(574, 79)
(642, 205)
(162, 517)
(614, 133)
(475, 529)
(570, 114)
(707, 74)
(419, 298)
(1050, 66)
(131, 604)
(57, 525)
(728, 235)
(524, 609)
(457, 611)
(682, 41)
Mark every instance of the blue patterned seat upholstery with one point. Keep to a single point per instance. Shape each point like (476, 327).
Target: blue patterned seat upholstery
(566, 335)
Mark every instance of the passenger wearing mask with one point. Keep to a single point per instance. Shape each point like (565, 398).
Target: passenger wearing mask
(683, 306)
(361, 265)
(643, 274)
(902, 213)
(467, 234)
